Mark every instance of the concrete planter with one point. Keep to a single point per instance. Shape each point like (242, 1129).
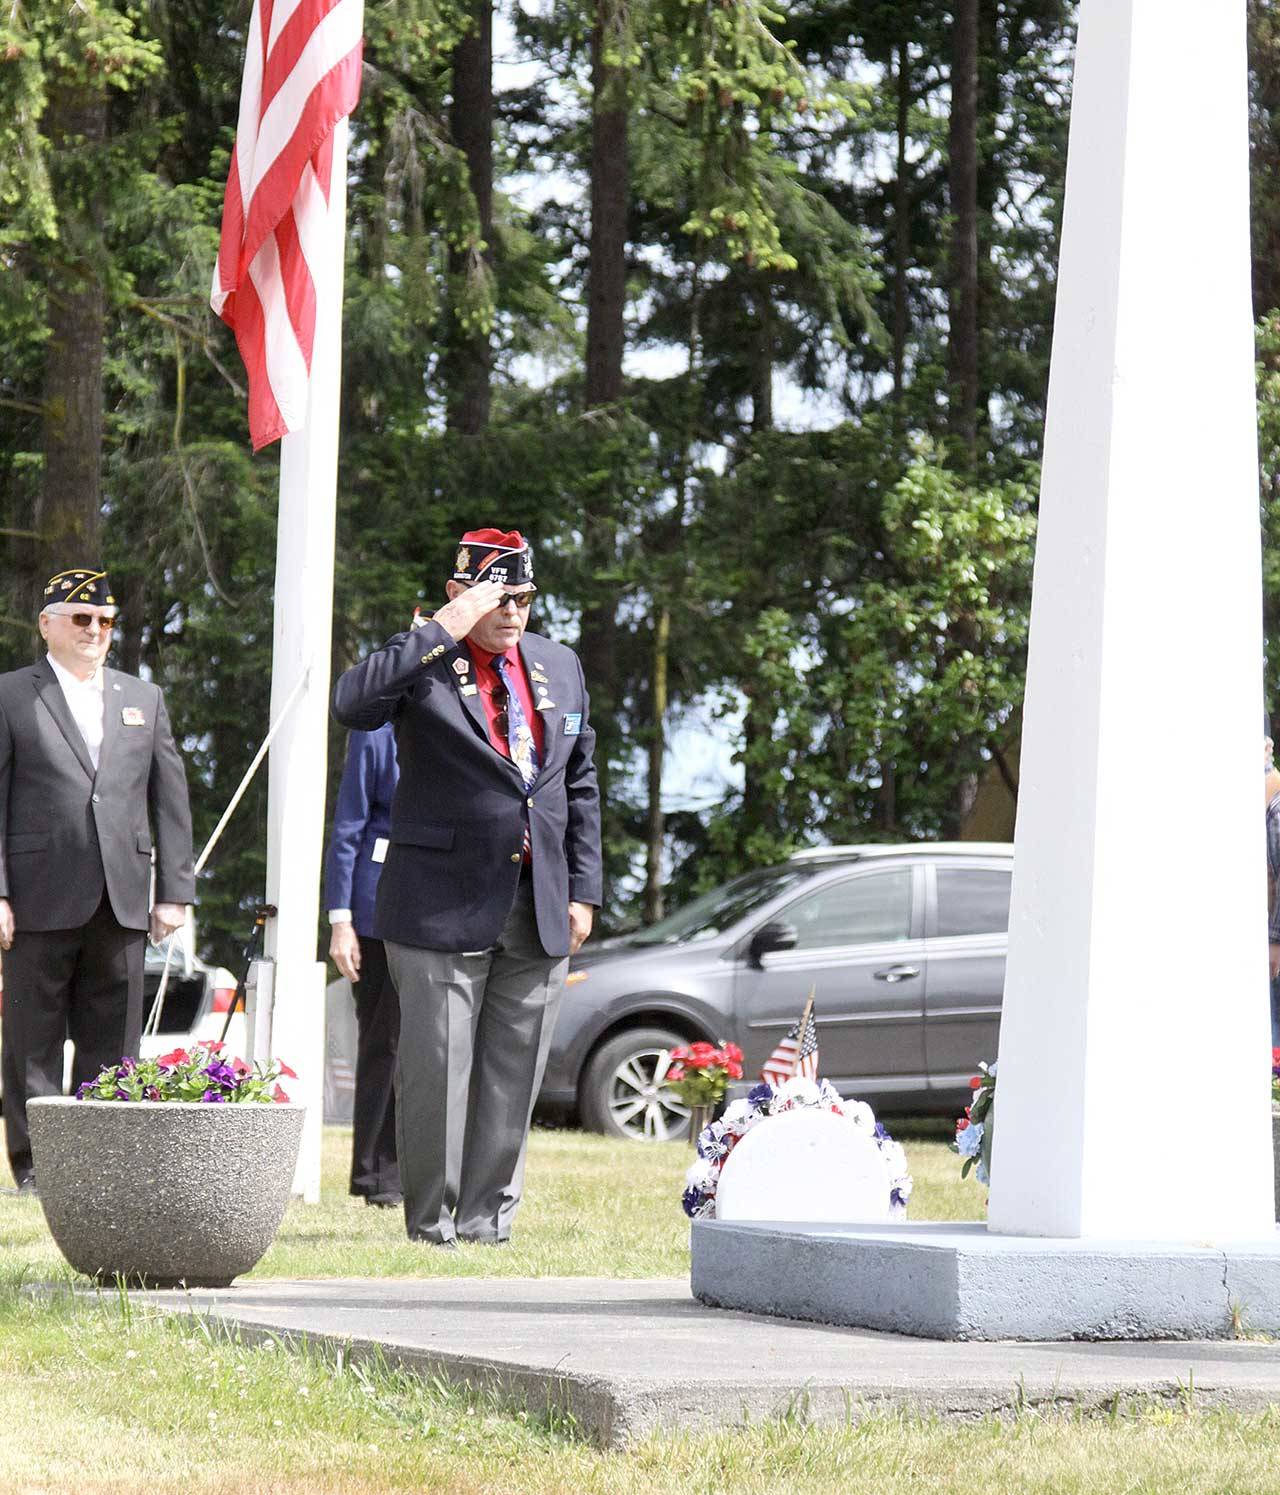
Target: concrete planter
(164, 1192)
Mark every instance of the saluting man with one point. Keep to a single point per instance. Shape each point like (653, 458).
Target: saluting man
(90, 783)
(491, 880)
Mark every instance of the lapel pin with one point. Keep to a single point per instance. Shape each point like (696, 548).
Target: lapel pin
(468, 690)
(460, 666)
(545, 705)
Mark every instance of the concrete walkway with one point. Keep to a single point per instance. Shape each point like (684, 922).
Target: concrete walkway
(627, 1358)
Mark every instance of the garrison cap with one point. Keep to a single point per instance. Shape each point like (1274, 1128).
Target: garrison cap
(493, 555)
(80, 584)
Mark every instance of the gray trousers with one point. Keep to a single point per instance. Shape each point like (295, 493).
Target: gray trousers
(475, 1031)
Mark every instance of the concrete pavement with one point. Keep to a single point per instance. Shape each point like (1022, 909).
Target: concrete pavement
(626, 1358)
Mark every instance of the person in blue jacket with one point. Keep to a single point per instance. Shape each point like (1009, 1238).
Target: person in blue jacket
(357, 850)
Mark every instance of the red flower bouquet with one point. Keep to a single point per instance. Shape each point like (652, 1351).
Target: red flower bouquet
(700, 1072)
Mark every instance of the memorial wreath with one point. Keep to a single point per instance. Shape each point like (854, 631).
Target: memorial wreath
(717, 1141)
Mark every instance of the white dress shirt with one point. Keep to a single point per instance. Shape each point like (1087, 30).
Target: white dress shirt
(84, 697)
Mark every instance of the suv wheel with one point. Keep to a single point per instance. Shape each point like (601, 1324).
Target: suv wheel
(623, 1094)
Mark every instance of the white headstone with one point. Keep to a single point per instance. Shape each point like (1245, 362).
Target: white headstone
(1133, 1097)
(804, 1165)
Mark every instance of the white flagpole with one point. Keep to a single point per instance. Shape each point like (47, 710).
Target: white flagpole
(302, 644)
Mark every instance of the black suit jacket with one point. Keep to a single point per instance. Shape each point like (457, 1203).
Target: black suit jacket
(460, 809)
(66, 832)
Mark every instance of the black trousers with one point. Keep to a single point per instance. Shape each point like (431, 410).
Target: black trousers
(84, 984)
(374, 1169)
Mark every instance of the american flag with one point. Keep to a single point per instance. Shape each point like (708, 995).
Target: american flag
(301, 76)
(797, 1054)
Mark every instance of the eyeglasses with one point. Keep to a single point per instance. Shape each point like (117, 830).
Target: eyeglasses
(86, 620)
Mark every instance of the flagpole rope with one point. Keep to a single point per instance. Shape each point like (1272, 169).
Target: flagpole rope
(157, 1007)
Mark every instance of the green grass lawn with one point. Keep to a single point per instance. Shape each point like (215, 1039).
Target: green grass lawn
(96, 1397)
(592, 1208)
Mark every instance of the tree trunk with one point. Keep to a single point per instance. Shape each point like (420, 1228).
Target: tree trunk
(657, 753)
(606, 309)
(962, 351)
(468, 359)
(901, 234)
(990, 175)
(68, 514)
(762, 362)
(607, 265)
(887, 798)
(131, 595)
(1264, 66)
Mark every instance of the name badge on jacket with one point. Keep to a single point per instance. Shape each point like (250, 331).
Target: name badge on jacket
(379, 852)
(132, 716)
(572, 723)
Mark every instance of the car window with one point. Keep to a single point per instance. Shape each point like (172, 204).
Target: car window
(973, 900)
(858, 911)
(722, 907)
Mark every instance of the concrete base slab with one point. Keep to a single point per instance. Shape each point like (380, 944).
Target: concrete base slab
(949, 1281)
(627, 1359)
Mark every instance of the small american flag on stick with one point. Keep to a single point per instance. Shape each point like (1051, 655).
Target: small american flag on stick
(797, 1054)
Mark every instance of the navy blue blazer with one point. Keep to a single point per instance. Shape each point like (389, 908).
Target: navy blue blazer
(460, 810)
(361, 818)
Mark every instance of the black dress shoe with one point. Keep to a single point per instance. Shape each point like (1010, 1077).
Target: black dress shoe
(27, 1185)
(385, 1201)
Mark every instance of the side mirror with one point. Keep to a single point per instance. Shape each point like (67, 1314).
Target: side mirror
(776, 936)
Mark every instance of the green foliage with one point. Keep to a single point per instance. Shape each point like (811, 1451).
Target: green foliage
(846, 605)
(48, 47)
(871, 696)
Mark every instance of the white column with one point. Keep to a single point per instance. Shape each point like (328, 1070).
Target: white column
(303, 640)
(1133, 1092)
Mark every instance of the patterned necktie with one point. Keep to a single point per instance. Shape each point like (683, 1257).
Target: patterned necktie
(520, 739)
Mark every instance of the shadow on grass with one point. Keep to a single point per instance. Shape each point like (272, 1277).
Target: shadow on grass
(921, 1128)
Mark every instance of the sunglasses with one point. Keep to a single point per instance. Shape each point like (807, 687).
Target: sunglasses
(521, 600)
(87, 620)
(501, 722)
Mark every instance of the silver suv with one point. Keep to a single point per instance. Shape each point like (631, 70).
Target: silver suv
(904, 947)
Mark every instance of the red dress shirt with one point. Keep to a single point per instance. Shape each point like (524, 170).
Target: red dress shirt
(488, 681)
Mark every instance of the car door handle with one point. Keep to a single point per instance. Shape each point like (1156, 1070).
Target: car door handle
(897, 973)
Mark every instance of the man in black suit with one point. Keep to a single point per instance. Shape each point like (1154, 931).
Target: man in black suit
(90, 782)
(491, 880)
